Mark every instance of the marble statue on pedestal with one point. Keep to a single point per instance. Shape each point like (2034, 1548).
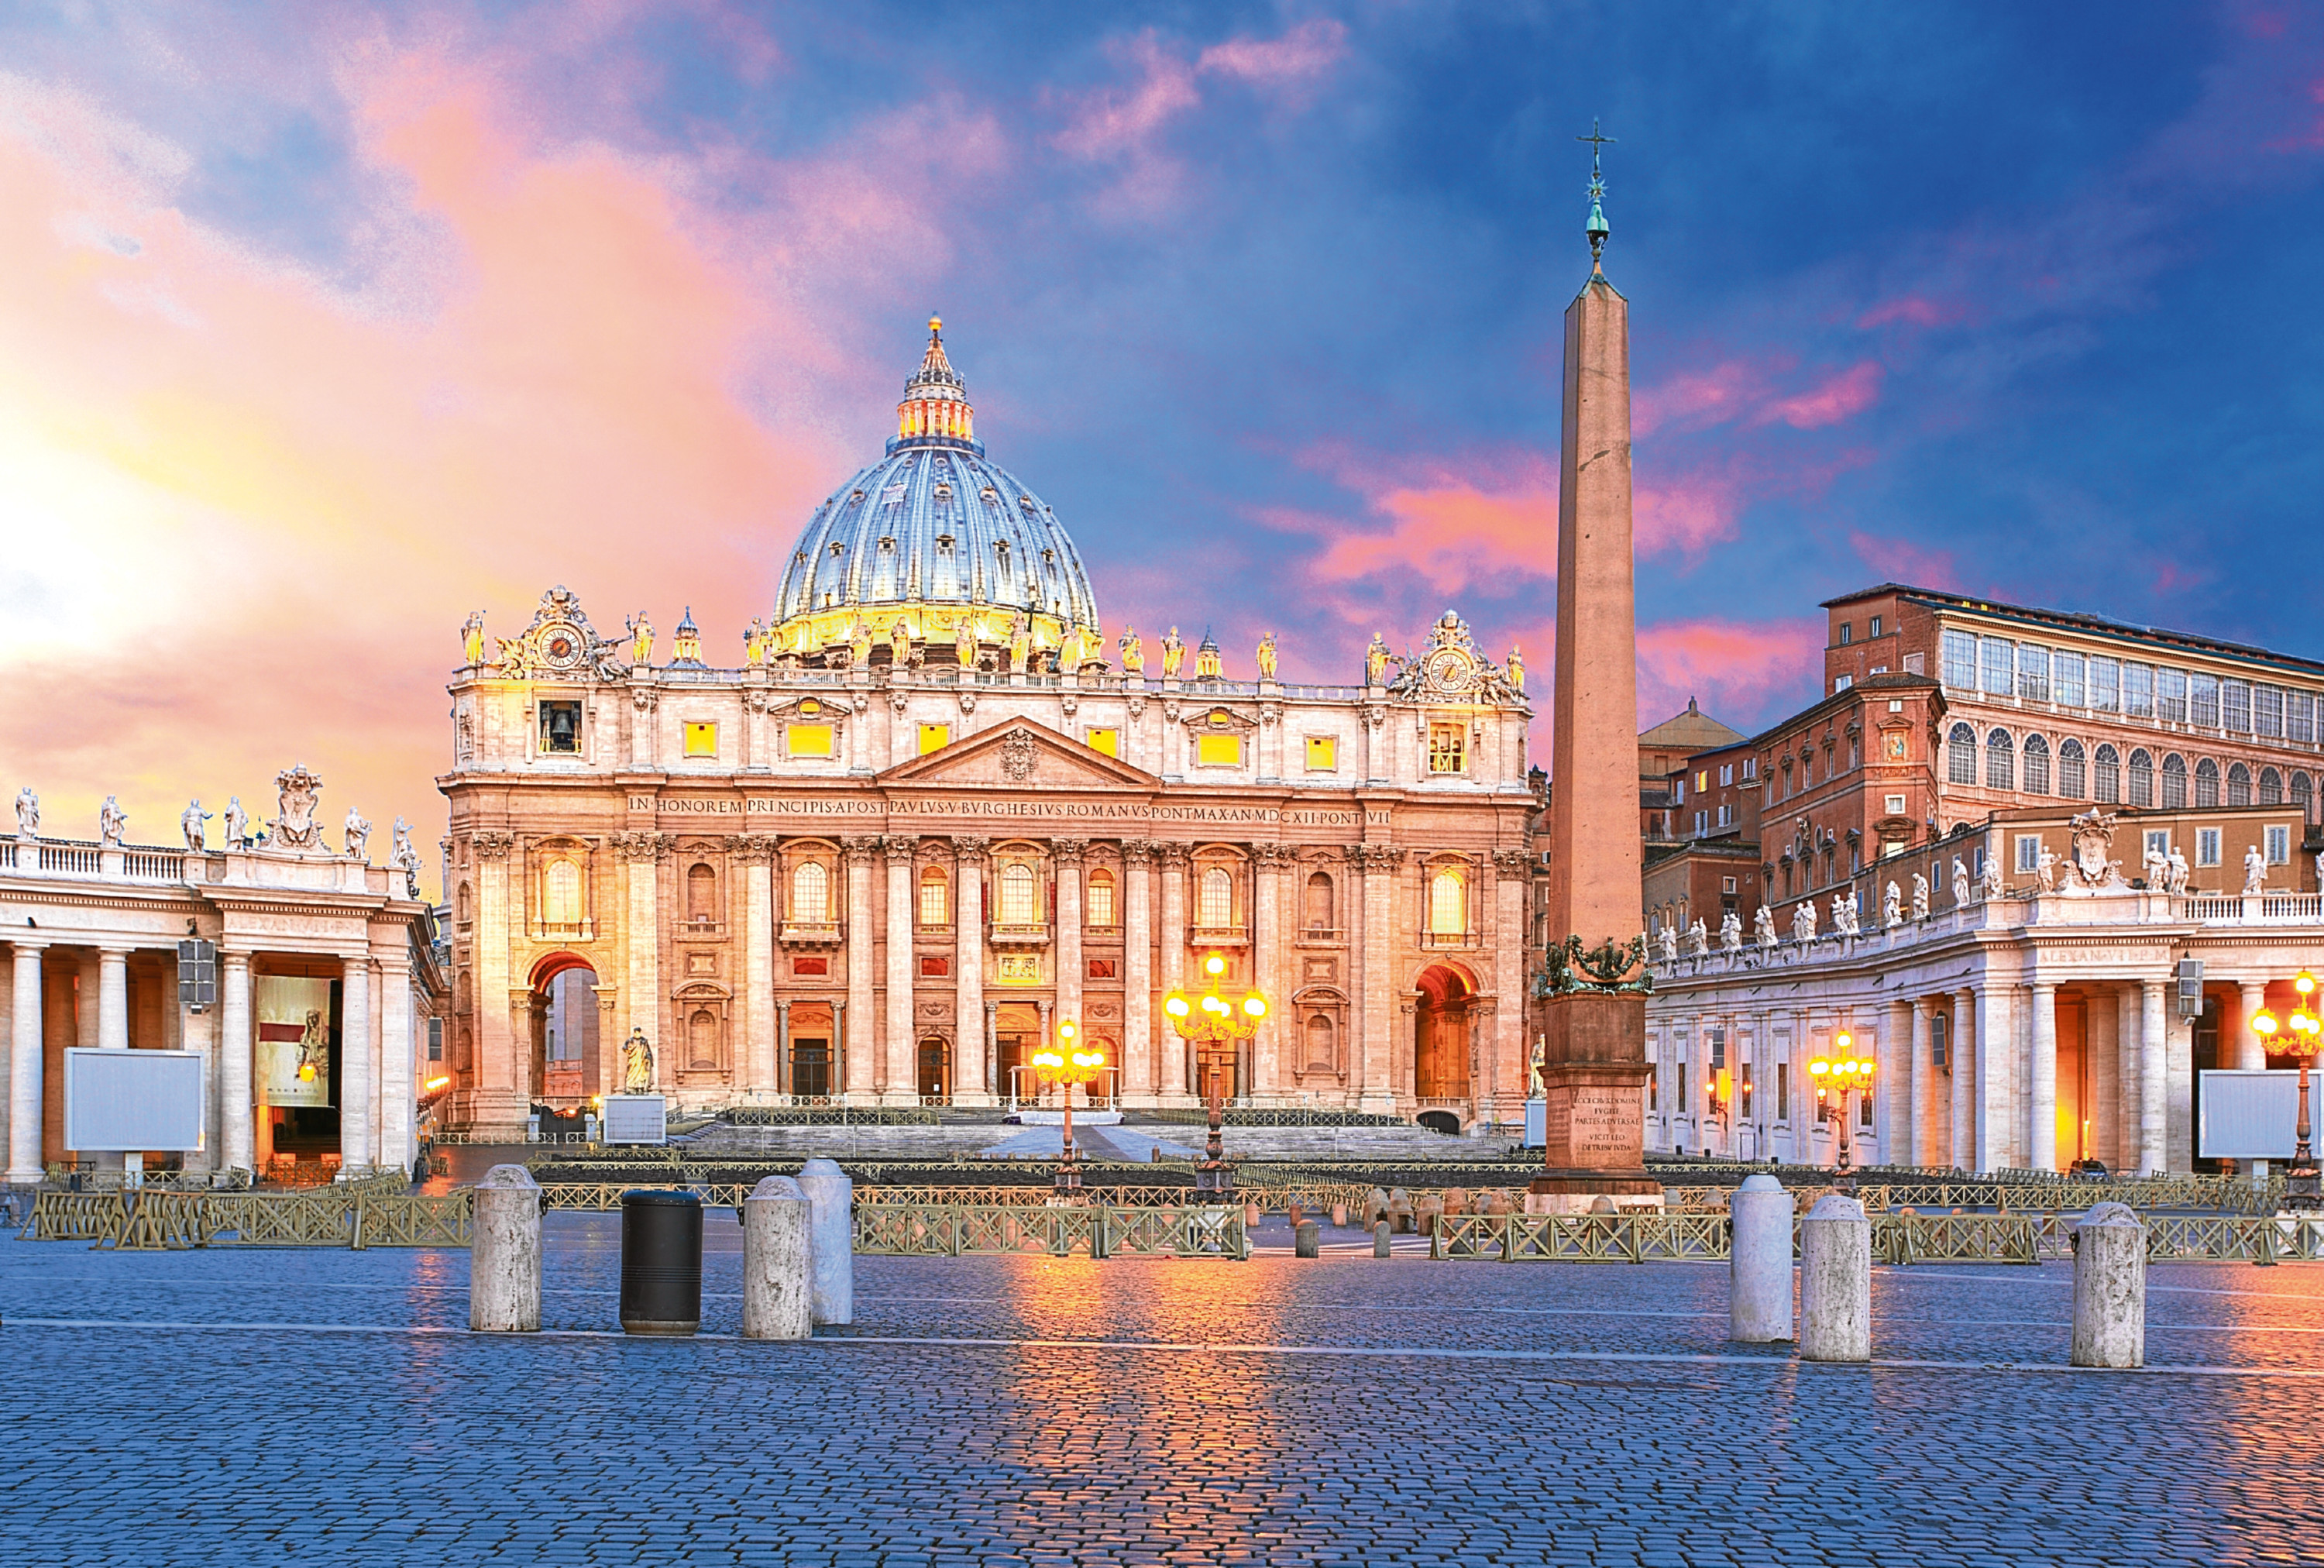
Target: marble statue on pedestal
(1804, 921)
(402, 856)
(112, 823)
(1992, 886)
(1267, 656)
(1666, 942)
(1133, 650)
(1376, 657)
(28, 814)
(2179, 873)
(1763, 926)
(637, 1065)
(1174, 652)
(1731, 932)
(2158, 871)
(2045, 869)
(2255, 871)
(1961, 883)
(192, 824)
(1698, 939)
(1920, 897)
(358, 834)
(1892, 908)
(237, 823)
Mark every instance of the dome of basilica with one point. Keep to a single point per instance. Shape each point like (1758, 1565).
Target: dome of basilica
(933, 550)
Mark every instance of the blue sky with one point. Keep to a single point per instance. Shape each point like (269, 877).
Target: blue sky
(324, 325)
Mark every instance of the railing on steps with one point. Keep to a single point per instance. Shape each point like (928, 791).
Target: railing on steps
(1099, 1230)
(356, 1215)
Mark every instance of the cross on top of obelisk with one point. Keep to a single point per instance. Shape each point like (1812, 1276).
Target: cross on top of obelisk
(1597, 228)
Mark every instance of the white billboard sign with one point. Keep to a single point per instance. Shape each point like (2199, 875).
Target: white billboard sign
(2249, 1115)
(636, 1119)
(129, 1101)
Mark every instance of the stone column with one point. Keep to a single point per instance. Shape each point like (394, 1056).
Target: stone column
(1172, 1075)
(837, 1073)
(2101, 1058)
(26, 1044)
(358, 1068)
(2177, 1092)
(1914, 1148)
(1512, 871)
(1994, 1100)
(1962, 1062)
(397, 1102)
(2042, 1110)
(861, 959)
(2130, 1071)
(1068, 854)
(969, 1060)
(237, 1133)
(1266, 923)
(757, 853)
(1142, 1050)
(112, 998)
(902, 1085)
(2251, 1051)
(991, 1050)
(782, 1078)
(499, 1093)
(2153, 1080)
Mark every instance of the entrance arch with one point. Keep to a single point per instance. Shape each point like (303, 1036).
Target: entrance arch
(1441, 1025)
(933, 1075)
(565, 1057)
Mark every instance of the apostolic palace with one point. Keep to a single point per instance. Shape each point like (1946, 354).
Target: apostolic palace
(930, 809)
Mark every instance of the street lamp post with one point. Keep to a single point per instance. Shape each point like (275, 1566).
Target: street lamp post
(1212, 1017)
(1838, 1077)
(1066, 1063)
(2307, 1034)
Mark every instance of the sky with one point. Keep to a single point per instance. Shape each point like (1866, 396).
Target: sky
(322, 325)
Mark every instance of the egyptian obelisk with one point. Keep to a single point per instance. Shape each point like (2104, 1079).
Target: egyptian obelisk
(1594, 1056)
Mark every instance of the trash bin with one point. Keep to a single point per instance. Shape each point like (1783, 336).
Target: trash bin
(661, 1262)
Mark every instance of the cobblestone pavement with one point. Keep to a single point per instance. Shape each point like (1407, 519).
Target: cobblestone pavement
(329, 1407)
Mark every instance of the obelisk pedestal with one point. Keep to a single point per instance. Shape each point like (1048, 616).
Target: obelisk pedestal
(1594, 1018)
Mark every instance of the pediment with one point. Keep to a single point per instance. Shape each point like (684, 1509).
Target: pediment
(1019, 754)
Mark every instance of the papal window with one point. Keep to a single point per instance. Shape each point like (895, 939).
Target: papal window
(1448, 904)
(810, 894)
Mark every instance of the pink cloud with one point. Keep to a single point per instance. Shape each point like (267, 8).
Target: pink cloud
(1732, 667)
(1840, 397)
(1307, 52)
(1453, 528)
(1114, 122)
(1913, 310)
(1900, 561)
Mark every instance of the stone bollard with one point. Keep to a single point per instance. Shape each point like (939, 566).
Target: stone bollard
(1759, 1263)
(1307, 1241)
(778, 1298)
(1836, 1281)
(1400, 1210)
(505, 1254)
(1426, 1212)
(1375, 1208)
(2111, 1288)
(831, 1239)
(1251, 1216)
(1380, 1246)
(1339, 1216)
(1294, 1212)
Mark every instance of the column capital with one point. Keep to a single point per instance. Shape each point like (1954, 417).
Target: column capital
(1137, 852)
(23, 944)
(901, 848)
(969, 849)
(860, 850)
(1068, 851)
(113, 948)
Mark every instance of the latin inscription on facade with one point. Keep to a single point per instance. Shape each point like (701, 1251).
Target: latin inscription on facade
(1056, 810)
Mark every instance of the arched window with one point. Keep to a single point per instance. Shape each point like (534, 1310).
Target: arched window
(1448, 904)
(2070, 770)
(936, 898)
(467, 905)
(1961, 755)
(2037, 765)
(702, 1040)
(2000, 760)
(561, 894)
(1102, 910)
(701, 896)
(2174, 783)
(2141, 779)
(2271, 787)
(1318, 912)
(810, 894)
(1019, 895)
(1323, 1049)
(2303, 793)
(2106, 776)
(1216, 910)
(2238, 785)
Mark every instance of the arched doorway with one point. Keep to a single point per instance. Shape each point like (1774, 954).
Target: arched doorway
(935, 1071)
(565, 1059)
(1440, 1049)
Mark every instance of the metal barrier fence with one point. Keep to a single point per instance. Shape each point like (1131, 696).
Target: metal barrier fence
(1098, 1229)
(346, 1215)
(1646, 1237)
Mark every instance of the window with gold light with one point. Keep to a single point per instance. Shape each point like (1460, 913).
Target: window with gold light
(1448, 904)
(1448, 748)
(1215, 905)
(810, 894)
(936, 898)
(1100, 900)
(1019, 896)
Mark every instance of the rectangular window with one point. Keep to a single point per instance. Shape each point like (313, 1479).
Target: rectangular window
(1750, 768)
(2029, 852)
(1876, 626)
(1106, 741)
(1448, 748)
(1960, 660)
(2203, 701)
(701, 738)
(935, 900)
(435, 1039)
(1782, 1091)
(1323, 753)
(1701, 823)
(2138, 690)
(2033, 672)
(2171, 696)
(560, 728)
(2158, 841)
(2267, 711)
(1841, 683)
(1997, 655)
(935, 738)
(1937, 1029)
(1864, 1110)
(2066, 679)
(1654, 1090)
(1726, 774)
(1678, 790)
(1219, 751)
(1743, 1090)
(1895, 805)
(1727, 884)
(2300, 716)
(1703, 780)
(808, 739)
(1847, 633)
(2105, 683)
(2278, 844)
(1685, 1105)
(2235, 705)
(2206, 846)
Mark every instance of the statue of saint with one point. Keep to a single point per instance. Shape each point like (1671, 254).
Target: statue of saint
(1020, 643)
(1133, 650)
(358, 834)
(1763, 926)
(1267, 656)
(2178, 888)
(1174, 652)
(1994, 887)
(964, 642)
(1076, 649)
(641, 639)
(637, 1065)
(28, 814)
(237, 823)
(859, 643)
(1698, 939)
(1961, 883)
(192, 823)
(1515, 669)
(2046, 870)
(472, 638)
(1892, 908)
(1731, 932)
(2255, 871)
(1376, 661)
(112, 823)
(754, 644)
(1920, 897)
(1537, 1089)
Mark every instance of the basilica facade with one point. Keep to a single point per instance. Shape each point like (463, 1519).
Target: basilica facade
(933, 810)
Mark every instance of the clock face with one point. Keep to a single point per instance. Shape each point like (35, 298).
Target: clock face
(560, 645)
